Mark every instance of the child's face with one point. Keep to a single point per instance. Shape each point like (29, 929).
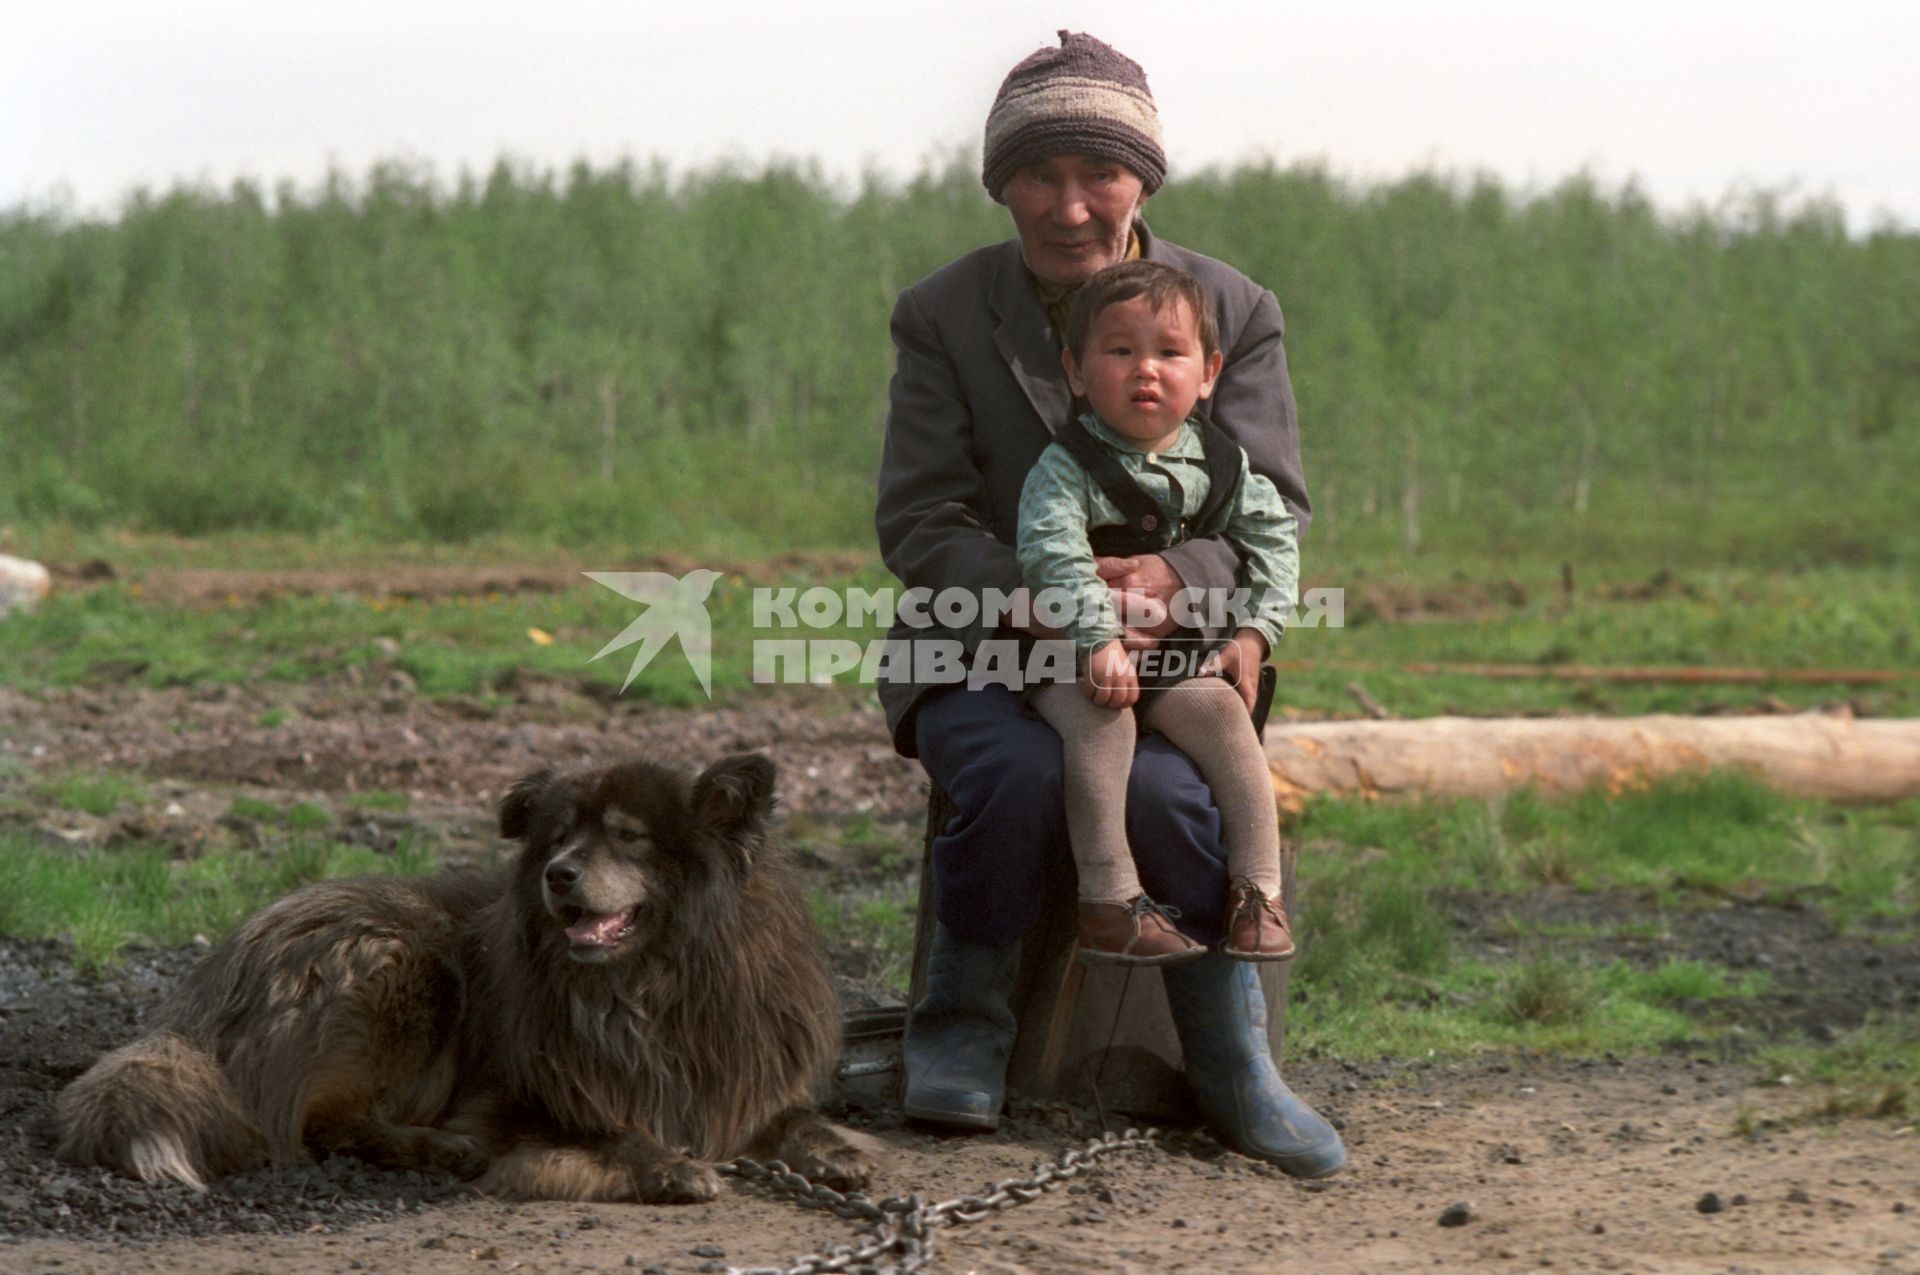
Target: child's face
(1143, 370)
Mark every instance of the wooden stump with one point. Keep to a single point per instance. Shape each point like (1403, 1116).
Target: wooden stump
(1092, 1034)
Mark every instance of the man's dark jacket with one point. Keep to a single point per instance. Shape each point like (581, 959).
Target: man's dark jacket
(977, 393)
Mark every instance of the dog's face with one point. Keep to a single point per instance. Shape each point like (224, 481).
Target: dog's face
(615, 858)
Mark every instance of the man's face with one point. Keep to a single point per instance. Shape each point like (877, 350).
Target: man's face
(1143, 370)
(1074, 214)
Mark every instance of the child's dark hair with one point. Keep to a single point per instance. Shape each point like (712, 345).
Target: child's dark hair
(1160, 284)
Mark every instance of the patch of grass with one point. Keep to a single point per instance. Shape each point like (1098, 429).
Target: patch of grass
(304, 816)
(1873, 1071)
(1546, 1001)
(91, 792)
(378, 800)
(1379, 971)
(255, 808)
(1513, 928)
(1550, 990)
(1677, 982)
(105, 899)
(1547, 859)
(448, 646)
(300, 817)
(1701, 832)
(1867, 1058)
(875, 924)
(1688, 838)
(1473, 1008)
(1892, 1102)
(857, 843)
(1373, 952)
(274, 717)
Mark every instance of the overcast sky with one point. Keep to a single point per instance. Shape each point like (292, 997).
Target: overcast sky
(1697, 98)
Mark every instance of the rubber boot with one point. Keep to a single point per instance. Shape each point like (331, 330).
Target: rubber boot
(1221, 1016)
(960, 1034)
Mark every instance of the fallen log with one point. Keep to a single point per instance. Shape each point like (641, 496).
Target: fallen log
(1803, 755)
(1620, 673)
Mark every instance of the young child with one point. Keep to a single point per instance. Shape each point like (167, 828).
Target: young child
(1137, 474)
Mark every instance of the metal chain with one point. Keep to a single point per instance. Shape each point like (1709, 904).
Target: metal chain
(899, 1230)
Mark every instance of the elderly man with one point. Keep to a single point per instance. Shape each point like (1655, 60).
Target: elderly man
(1073, 150)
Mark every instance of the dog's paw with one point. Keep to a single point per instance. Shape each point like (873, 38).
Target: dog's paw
(840, 1166)
(459, 1156)
(681, 1181)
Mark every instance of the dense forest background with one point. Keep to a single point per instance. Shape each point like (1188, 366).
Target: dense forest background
(630, 357)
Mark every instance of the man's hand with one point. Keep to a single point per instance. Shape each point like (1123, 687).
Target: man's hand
(1110, 680)
(1239, 662)
(1143, 591)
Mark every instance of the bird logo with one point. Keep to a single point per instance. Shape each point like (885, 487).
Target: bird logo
(674, 608)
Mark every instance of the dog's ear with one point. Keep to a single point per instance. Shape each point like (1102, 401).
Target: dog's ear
(734, 795)
(516, 808)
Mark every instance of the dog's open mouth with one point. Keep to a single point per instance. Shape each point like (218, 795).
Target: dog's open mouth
(585, 930)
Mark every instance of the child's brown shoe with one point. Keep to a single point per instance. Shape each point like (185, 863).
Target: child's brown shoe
(1136, 933)
(1257, 929)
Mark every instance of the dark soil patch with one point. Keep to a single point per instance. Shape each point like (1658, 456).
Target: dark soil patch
(1821, 982)
(53, 1023)
(345, 736)
(221, 586)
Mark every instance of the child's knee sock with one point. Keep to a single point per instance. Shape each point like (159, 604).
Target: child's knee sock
(1208, 722)
(1099, 755)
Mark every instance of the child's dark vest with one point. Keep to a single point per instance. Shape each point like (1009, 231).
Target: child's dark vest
(1149, 528)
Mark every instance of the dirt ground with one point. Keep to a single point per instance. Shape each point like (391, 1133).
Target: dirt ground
(1558, 1164)
(1584, 1165)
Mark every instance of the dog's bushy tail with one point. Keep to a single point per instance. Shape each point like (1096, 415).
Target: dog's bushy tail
(161, 1110)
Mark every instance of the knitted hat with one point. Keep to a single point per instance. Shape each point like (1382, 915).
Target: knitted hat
(1083, 98)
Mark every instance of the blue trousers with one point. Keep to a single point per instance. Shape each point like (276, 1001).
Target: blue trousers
(1006, 845)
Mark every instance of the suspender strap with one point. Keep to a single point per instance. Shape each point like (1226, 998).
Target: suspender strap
(1148, 529)
(1223, 479)
(1142, 512)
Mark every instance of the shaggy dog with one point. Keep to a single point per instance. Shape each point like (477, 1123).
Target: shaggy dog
(642, 994)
